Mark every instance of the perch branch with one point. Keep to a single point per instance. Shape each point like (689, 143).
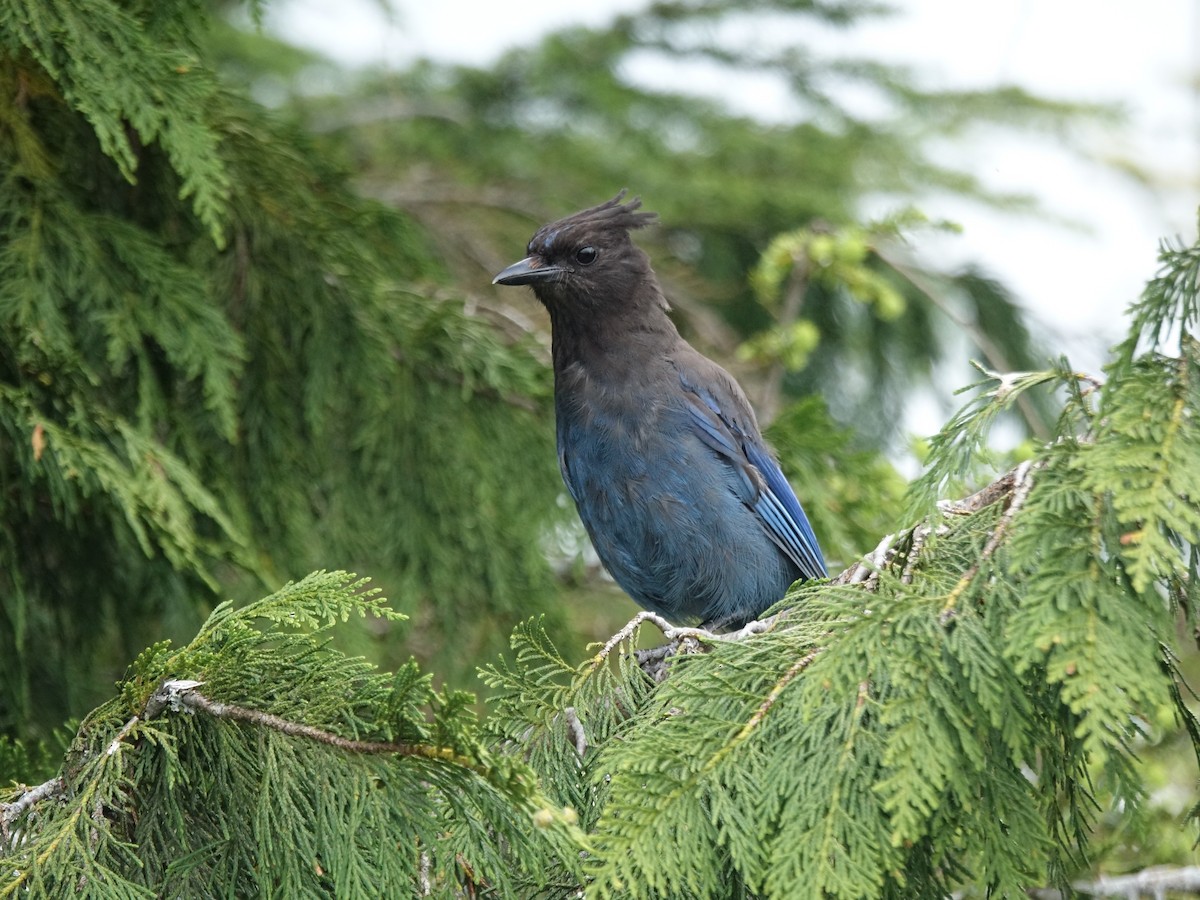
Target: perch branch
(1013, 485)
(680, 639)
(1012, 488)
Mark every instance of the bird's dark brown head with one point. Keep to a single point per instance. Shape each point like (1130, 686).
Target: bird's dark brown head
(587, 264)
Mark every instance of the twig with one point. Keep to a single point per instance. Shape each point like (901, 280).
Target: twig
(758, 626)
(669, 631)
(679, 639)
(183, 696)
(389, 110)
(868, 568)
(115, 744)
(423, 875)
(10, 812)
(997, 490)
(765, 707)
(919, 535)
(1093, 383)
(628, 631)
(1013, 485)
(1157, 881)
(793, 303)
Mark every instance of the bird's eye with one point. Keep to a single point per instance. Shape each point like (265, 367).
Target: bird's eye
(585, 256)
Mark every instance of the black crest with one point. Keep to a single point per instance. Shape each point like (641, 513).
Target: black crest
(612, 215)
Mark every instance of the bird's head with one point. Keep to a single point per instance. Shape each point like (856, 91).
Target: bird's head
(587, 263)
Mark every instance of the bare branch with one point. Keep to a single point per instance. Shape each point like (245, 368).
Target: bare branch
(990, 349)
(10, 812)
(1013, 486)
(793, 303)
(183, 696)
(390, 109)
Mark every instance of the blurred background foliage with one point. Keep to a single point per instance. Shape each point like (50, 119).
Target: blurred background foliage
(247, 328)
(247, 338)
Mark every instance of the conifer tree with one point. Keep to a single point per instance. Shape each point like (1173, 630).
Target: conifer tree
(219, 366)
(952, 713)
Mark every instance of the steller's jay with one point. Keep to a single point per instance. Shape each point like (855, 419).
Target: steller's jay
(657, 444)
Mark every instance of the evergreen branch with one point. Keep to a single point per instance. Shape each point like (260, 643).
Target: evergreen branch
(457, 379)
(93, 794)
(10, 812)
(54, 789)
(962, 444)
(182, 695)
(1147, 448)
(144, 809)
(1014, 484)
(760, 714)
(773, 696)
(134, 84)
(830, 843)
(62, 836)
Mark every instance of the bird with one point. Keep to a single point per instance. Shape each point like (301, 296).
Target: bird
(658, 446)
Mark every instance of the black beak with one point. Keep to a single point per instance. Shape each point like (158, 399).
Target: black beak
(527, 271)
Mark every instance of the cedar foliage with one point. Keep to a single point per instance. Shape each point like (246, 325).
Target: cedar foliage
(953, 713)
(219, 365)
(962, 717)
(160, 803)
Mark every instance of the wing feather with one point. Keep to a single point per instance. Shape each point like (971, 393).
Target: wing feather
(766, 491)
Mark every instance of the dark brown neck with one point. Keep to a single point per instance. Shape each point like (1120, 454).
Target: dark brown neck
(614, 342)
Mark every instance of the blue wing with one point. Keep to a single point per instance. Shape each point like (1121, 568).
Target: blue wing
(766, 491)
(785, 518)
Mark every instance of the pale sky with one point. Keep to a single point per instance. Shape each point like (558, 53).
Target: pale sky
(1075, 268)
